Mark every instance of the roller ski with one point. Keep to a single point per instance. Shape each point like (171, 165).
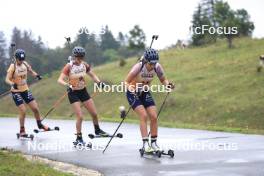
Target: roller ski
(101, 134)
(154, 150)
(23, 135)
(80, 144)
(149, 151)
(156, 153)
(44, 128)
(92, 136)
(169, 153)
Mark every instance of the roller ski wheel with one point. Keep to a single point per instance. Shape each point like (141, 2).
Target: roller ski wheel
(158, 153)
(141, 151)
(25, 136)
(169, 153)
(89, 145)
(82, 145)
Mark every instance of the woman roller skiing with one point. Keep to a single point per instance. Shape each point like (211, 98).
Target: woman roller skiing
(17, 78)
(73, 77)
(141, 100)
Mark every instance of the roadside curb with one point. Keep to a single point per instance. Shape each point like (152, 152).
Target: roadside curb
(63, 167)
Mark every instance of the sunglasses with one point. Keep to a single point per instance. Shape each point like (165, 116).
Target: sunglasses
(152, 64)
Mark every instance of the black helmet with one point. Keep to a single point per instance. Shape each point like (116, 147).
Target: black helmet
(78, 51)
(151, 55)
(20, 54)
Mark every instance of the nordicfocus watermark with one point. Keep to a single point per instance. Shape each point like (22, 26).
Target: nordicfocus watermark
(201, 146)
(84, 30)
(60, 146)
(200, 30)
(180, 145)
(138, 87)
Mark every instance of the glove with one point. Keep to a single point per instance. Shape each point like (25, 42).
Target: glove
(38, 77)
(14, 86)
(171, 86)
(101, 84)
(69, 88)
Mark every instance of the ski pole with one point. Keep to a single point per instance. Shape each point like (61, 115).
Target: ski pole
(12, 58)
(154, 37)
(55, 105)
(123, 115)
(5, 93)
(68, 39)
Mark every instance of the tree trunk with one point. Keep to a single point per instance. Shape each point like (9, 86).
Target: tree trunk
(230, 42)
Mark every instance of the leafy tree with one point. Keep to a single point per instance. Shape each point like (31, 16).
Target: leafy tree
(229, 18)
(137, 38)
(216, 13)
(245, 26)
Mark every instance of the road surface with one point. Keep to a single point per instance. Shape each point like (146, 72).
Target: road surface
(197, 152)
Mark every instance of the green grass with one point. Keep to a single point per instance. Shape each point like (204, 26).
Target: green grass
(217, 89)
(13, 164)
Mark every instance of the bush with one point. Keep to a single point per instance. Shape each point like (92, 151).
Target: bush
(122, 62)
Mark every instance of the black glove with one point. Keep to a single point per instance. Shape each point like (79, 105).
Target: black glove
(14, 86)
(101, 85)
(38, 77)
(69, 88)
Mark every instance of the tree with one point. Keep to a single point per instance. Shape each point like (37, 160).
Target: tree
(218, 14)
(228, 18)
(122, 39)
(245, 26)
(2, 46)
(137, 38)
(3, 62)
(107, 40)
(208, 12)
(82, 37)
(93, 51)
(198, 21)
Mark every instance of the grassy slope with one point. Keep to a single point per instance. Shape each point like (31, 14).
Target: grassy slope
(12, 163)
(217, 89)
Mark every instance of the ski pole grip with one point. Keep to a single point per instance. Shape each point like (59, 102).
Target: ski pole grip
(122, 112)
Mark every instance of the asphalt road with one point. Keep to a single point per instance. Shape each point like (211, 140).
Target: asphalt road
(197, 152)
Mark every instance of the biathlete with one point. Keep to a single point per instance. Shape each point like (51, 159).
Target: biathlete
(141, 100)
(73, 77)
(17, 78)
